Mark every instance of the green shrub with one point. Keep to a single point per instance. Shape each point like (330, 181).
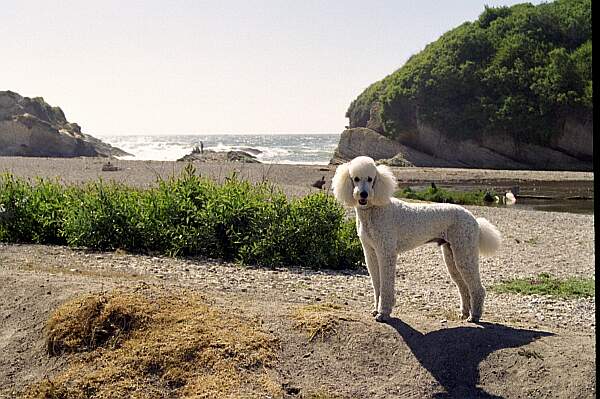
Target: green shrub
(30, 212)
(440, 195)
(187, 215)
(102, 216)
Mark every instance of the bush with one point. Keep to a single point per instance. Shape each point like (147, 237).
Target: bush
(31, 212)
(517, 71)
(187, 215)
(102, 216)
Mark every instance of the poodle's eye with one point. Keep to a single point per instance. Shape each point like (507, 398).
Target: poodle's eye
(370, 179)
(357, 179)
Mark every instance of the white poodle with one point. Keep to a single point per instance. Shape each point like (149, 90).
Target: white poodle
(387, 226)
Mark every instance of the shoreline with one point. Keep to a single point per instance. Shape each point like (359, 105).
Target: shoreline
(294, 179)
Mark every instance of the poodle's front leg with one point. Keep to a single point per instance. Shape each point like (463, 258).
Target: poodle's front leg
(373, 267)
(387, 275)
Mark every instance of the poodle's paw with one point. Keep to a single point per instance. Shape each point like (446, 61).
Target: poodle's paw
(463, 315)
(473, 319)
(382, 317)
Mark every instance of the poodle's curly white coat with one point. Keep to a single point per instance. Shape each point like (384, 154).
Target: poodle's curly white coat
(387, 226)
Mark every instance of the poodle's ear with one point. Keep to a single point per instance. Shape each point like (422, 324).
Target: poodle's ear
(384, 186)
(342, 186)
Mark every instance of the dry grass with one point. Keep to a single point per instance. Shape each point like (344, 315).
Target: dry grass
(157, 345)
(97, 320)
(320, 320)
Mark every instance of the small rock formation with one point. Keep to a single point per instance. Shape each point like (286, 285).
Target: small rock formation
(214, 156)
(241, 156)
(109, 167)
(31, 127)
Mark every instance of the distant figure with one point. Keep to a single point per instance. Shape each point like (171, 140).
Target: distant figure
(201, 147)
(509, 198)
(319, 183)
(433, 186)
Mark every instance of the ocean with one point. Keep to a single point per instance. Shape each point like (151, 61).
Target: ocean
(315, 149)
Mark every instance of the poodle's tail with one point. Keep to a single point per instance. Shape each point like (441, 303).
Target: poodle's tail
(489, 237)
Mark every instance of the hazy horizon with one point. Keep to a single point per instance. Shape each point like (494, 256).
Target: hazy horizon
(199, 67)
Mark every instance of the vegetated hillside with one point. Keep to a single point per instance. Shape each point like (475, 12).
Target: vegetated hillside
(521, 71)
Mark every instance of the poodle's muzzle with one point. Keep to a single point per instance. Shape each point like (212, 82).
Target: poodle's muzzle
(363, 198)
(362, 189)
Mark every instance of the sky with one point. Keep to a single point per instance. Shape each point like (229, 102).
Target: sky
(204, 67)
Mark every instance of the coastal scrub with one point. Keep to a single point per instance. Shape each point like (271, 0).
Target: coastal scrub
(186, 215)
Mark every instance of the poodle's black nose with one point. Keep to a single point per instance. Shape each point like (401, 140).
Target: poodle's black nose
(364, 194)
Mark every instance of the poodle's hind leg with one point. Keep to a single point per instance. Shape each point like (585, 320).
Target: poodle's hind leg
(466, 259)
(463, 290)
(373, 267)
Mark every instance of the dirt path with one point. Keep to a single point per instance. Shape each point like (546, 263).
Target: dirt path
(527, 347)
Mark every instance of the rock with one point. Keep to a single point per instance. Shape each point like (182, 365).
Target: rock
(577, 138)
(490, 151)
(108, 167)
(241, 156)
(429, 147)
(374, 122)
(250, 150)
(214, 156)
(319, 183)
(363, 141)
(397, 160)
(31, 127)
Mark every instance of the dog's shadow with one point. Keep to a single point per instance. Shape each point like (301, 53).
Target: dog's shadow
(452, 355)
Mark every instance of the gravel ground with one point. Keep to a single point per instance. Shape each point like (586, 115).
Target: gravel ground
(561, 244)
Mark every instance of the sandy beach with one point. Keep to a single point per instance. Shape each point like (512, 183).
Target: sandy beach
(294, 179)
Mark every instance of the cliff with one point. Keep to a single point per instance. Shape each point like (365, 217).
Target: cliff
(31, 127)
(510, 90)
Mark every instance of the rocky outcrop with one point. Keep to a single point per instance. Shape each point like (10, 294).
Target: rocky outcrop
(374, 122)
(214, 156)
(363, 141)
(572, 150)
(31, 127)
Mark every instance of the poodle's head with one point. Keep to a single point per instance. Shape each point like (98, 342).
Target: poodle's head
(361, 183)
